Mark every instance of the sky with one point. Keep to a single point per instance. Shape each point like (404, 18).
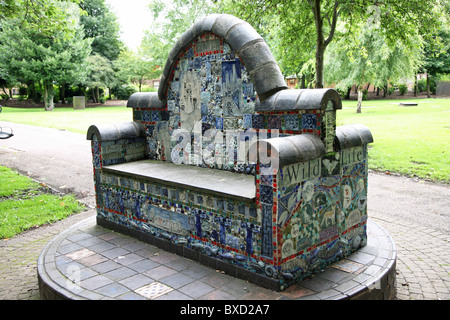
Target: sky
(134, 17)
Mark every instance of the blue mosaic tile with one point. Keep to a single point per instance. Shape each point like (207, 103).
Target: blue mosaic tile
(309, 121)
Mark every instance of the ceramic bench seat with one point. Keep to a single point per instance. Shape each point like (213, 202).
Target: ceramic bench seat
(217, 182)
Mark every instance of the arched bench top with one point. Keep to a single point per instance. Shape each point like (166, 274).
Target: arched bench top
(243, 38)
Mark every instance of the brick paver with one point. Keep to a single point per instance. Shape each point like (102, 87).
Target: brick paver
(423, 260)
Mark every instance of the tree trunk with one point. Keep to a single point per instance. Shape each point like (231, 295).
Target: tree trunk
(93, 95)
(32, 91)
(360, 96)
(320, 45)
(48, 96)
(62, 93)
(347, 96)
(97, 94)
(303, 83)
(415, 86)
(428, 86)
(321, 42)
(320, 50)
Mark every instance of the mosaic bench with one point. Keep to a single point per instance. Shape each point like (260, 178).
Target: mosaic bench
(226, 166)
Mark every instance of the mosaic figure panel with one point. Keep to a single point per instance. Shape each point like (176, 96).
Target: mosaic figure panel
(210, 100)
(325, 215)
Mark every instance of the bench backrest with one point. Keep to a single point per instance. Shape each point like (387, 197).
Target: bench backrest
(221, 91)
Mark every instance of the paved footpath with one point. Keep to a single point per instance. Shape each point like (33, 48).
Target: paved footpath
(416, 214)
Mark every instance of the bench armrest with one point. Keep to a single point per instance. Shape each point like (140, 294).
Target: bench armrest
(117, 143)
(110, 132)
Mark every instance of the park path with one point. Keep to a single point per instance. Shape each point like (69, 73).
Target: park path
(415, 213)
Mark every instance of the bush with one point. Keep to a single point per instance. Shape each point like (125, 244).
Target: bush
(433, 81)
(422, 85)
(402, 88)
(4, 96)
(74, 91)
(342, 92)
(149, 89)
(390, 90)
(123, 93)
(365, 92)
(23, 91)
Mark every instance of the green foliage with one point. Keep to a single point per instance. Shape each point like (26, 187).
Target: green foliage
(30, 55)
(101, 25)
(402, 88)
(369, 58)
(302, 30)
(134, 68)
(148, 89)
(43, 16)
(23, 93)
(46, 43)
(390, 90)
(422, 85)
(365, 92)
(100, 74)
(123, 92)
(170, 20)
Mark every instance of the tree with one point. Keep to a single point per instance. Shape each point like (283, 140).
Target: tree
(295, 61)
(45, 16)
(134, 68)
(47, 58)
(101, 25)
(437, 55)
(170, 20)
(368, 58)
(100, 75)
(397, 20)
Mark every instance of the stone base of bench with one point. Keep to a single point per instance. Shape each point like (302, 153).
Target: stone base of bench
(195, 255)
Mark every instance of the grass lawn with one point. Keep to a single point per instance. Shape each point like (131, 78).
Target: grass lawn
(67, 118)
(412, 141)
(25, 204)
